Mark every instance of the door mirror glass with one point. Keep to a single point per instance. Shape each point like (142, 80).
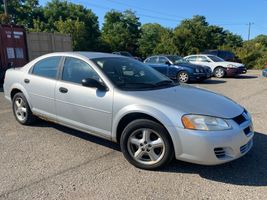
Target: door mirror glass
(93, 83)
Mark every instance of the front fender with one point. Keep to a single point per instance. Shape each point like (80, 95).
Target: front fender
(157, 114)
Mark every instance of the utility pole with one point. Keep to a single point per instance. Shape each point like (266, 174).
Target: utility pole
(5, 6)
(249, 29)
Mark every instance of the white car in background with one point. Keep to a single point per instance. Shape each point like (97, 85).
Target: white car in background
(219, 67)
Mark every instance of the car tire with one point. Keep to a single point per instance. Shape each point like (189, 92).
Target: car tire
(21, 110)
(219, 72)
(183, 77)
(146, 144)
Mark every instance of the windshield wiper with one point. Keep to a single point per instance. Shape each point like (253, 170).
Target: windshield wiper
(138, 83)
(166, 82)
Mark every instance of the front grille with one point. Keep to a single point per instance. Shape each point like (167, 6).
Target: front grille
(219, 152)
(239, 119)
(246, 147)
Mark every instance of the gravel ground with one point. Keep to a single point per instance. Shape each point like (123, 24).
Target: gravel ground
(49, 161)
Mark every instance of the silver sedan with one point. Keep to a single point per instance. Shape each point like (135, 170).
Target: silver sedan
(123, 100)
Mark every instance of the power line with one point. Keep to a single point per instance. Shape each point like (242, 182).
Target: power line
(145, 9)
(140, 14)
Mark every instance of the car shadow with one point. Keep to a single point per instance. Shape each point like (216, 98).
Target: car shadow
(209, 81)
(79, 134)
(243, 77)
(250, 170)
(1, 88)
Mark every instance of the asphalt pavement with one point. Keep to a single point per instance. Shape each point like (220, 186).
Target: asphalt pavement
(49, 161)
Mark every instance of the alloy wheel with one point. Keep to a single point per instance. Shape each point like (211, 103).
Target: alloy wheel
(20, 109)
(146, 146)
(183, 77)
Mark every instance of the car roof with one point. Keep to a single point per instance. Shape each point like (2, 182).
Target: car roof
(90, 55)
(201, 55)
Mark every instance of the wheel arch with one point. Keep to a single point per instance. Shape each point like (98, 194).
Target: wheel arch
(19, 88)
(124, 117)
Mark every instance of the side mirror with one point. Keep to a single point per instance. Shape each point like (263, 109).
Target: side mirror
(90, 82)
(167, 62)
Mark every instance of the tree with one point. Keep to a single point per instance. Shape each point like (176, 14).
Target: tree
(60, 15)
(149, 39)
(196, 35)
(121, 31)
(77, 29)
(22, 12)
(254, 52)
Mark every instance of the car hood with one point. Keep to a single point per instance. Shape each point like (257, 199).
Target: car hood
(230, 63)
(187, 99)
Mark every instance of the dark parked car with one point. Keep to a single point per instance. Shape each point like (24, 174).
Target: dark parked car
(175, 67)
(127, 54)
(226, 55)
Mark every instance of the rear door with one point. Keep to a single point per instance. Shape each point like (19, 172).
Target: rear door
(83, 107)
(40, 84)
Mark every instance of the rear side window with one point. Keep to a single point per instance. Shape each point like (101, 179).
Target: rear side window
(47, 67)
(151, 60)
(202, 59)
(191, 58)
(75, 70)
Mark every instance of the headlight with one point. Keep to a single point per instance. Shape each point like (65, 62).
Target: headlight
(231, 66)
(197, 70)
(205, 123)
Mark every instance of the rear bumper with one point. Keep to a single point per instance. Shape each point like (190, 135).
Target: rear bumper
(235, 71)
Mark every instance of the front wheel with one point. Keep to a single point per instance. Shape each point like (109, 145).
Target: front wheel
(183, 77)
(219, 72)
(146, 144)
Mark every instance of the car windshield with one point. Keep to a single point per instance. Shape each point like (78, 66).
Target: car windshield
(216, 59)
(176, 59)
(124, 53)
(129, 74)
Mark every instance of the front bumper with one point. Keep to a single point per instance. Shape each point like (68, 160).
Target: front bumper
(235, 71)
(200, 76)
(213, 147)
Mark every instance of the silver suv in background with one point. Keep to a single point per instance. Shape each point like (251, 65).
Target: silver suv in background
(123, 100)
(219, 67)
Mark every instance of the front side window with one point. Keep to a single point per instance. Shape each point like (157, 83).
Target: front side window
(129, 74)
(47, 67)
(177, 59)
(162, 60)
(216, 59)
(75, 70)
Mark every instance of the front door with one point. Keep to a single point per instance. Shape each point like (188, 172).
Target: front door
(82, 107)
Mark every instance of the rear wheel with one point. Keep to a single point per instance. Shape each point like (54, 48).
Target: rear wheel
(219, 72)
(146, 144)
(21, 109)
(183, 77)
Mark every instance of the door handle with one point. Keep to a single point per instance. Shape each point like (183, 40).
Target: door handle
(26, 80)
(63, 90)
